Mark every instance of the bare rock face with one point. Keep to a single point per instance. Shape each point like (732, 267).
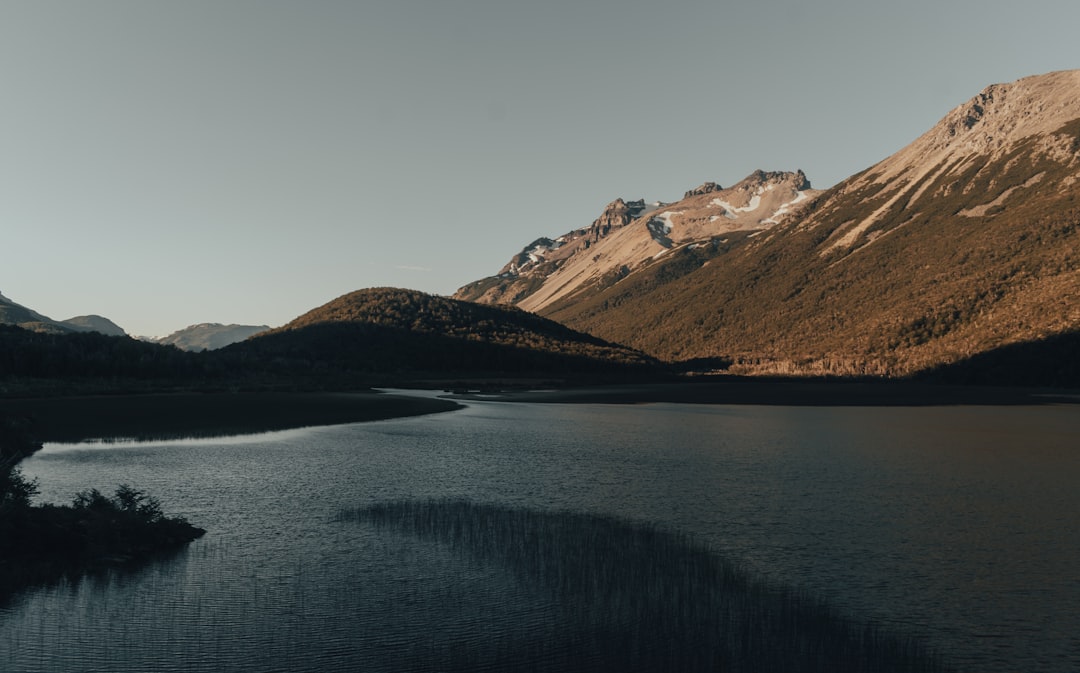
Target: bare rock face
(616, 214)
(705, 188)
(548, 251)
(990, 147)
(630, 234)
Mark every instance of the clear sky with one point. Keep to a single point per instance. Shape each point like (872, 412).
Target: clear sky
(168, 163)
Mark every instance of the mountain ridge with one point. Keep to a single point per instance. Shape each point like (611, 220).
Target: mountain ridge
(630, 234)
(12, 313)
(963, 242)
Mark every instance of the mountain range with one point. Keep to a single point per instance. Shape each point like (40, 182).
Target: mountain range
(957, 257)
(964, 242)
(204, 336)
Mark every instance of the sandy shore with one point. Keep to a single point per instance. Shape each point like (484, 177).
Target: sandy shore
(70, 419)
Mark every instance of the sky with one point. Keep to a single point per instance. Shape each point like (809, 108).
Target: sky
(244, 161)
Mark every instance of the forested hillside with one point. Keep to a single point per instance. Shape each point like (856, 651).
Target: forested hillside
(388, 331)
(370, 337)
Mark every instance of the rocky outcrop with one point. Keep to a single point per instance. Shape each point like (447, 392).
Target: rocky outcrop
(616, 215)
(705, 188)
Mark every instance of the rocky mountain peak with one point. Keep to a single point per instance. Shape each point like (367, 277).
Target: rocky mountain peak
(631, 234)
(993, 121)
(760, 178)
(705, 188)
(618, 213)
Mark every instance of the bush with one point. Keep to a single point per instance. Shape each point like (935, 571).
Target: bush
(16, 491)
(126, 500)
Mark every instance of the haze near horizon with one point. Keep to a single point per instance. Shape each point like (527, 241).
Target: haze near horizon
(176, 163)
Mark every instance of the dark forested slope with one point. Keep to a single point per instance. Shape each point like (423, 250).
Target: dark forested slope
(395, 332)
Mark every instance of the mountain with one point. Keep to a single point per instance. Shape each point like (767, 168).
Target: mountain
(965, 242)
(381, 336)
(94, 323)
(630, 235)
(209, 336)
(16, 314)
(388, 333)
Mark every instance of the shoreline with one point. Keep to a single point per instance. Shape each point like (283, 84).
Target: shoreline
(110, 533)
(179, 415)
(785, 392)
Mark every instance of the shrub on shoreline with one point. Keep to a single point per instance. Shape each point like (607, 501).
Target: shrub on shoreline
(44, 542)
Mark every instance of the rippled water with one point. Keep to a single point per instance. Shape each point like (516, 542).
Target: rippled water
(958, 525)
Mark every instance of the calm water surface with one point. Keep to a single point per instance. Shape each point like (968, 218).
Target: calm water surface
(958, 525)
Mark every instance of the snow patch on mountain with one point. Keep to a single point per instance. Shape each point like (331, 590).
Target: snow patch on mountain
(785, 208)
(731, 211)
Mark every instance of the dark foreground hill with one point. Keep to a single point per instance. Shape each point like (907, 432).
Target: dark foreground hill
(395, 334)
(370, 337)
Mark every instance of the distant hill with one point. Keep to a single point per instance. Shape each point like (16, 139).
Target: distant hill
(392, 332)
(16, 314)
(94, 323)
(209, 336)
(371, 337)
(44, 362)
(966, 242)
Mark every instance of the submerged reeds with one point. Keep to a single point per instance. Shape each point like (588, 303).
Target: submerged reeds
(633, 597)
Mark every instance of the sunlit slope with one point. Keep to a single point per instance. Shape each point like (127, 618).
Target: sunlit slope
(632, 235)
(964, 242)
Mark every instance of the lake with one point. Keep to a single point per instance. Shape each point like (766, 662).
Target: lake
(958, 526)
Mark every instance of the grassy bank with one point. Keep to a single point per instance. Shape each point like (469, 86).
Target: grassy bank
(635, 598)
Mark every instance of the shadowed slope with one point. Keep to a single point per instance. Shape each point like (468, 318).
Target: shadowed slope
(387, 331)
